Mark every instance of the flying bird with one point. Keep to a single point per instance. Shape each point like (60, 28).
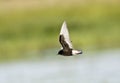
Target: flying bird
(67, 48)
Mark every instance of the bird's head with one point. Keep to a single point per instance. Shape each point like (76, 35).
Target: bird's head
(60, 52)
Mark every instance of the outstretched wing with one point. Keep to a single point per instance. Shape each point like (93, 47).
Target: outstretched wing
(65, 33)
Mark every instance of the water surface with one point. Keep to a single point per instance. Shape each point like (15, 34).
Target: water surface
(100, 67)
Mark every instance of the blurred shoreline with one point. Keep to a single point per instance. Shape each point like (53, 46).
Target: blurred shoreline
(29, 25)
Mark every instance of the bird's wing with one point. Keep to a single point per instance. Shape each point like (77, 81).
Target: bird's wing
(64, 44)
(65, 33)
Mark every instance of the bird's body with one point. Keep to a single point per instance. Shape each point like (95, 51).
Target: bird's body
(67, 49)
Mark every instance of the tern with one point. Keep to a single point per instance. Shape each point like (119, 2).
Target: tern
(64, 39)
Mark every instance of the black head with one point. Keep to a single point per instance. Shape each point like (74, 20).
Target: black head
(60, 52)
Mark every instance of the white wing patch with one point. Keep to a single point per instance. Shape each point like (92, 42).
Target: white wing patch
(65, 33)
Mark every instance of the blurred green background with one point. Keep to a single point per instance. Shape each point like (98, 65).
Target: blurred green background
(34, 25)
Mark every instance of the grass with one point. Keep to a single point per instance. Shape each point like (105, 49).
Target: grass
(25, 28)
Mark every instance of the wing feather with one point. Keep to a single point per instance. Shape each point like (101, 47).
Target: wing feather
(63, 43)
(65, 33)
